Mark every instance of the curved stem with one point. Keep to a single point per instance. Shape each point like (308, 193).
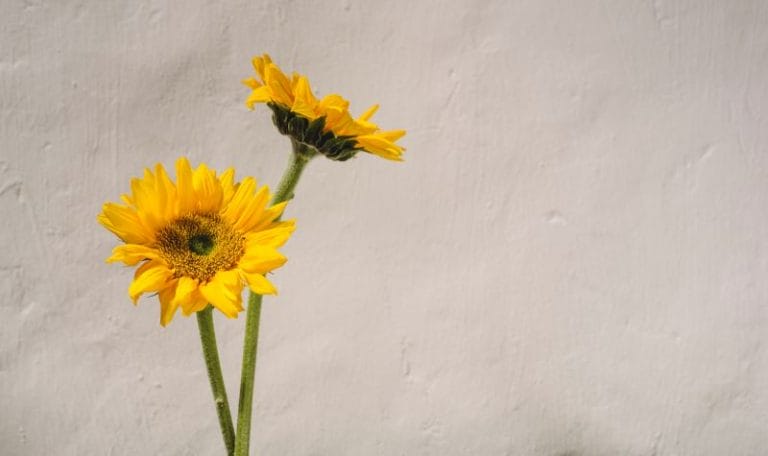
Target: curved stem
(284, 192)
(211, 355)
(299, 159)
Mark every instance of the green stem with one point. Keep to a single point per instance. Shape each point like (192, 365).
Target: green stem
(299, 159)
(211, 355)
(253, 316)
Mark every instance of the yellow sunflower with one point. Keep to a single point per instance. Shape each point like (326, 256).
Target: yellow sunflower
(323, 126)
(197, 241)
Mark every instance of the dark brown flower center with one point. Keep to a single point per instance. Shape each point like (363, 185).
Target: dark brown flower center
(200, 245)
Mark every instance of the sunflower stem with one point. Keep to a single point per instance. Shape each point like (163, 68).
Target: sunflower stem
(211, 355)
(299, 159)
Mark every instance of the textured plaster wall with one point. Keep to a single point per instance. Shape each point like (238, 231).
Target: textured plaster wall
(572, 260)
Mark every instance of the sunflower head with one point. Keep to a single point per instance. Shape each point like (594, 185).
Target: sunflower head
(322, 126)
(197, 241)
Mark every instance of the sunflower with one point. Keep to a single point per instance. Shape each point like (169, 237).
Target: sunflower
(198, 241)
(318, 126)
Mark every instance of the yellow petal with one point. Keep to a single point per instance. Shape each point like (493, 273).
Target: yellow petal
(184, 291)
(381, 146)
(127, 199)
(269, 216)
(245, 209)
(131, 254)
(304, 109)
(234, 208)
(168, 305)
(125, 223)
(303, 90)
(186, 196)
(273, 236)
(166, 194)
(252, 83)
(252, 211)
(151, 276)
(259, 284)
(334, 102)
(278, 84)
(195, 303)
(227, 185)
(259, 63)
(207, 189)
(392, 135)
(262, 94)
(260, 260)
(369, 113)
(304, 102)
(224, 292)
(145, 196)
(342, 124)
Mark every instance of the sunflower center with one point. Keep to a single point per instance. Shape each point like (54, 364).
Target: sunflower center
(200, 245)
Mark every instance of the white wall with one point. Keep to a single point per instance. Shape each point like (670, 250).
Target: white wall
(572, 260)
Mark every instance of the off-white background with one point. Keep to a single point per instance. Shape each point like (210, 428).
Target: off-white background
(571, 261)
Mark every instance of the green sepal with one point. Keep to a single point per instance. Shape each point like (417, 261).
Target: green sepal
(310, 135)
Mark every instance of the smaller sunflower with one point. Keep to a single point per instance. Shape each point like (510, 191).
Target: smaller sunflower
(320, 126)
(199, 240)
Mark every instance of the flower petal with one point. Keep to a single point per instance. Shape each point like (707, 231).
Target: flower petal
(124, 222)
(186, 195)
(228, 187)
(368, 114)
(304, 102)
(168, 305)
(260, 95)
(207, 189)
(261, 259)
(151, 276)
(259, 63)
(269, 216)
(381, 145)
(278, 84)
(195, 303)
(252, 83)
(259, 284)
(224, 292)
(184, 291)
(132, 254)
(273, 236)
(252, 211)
